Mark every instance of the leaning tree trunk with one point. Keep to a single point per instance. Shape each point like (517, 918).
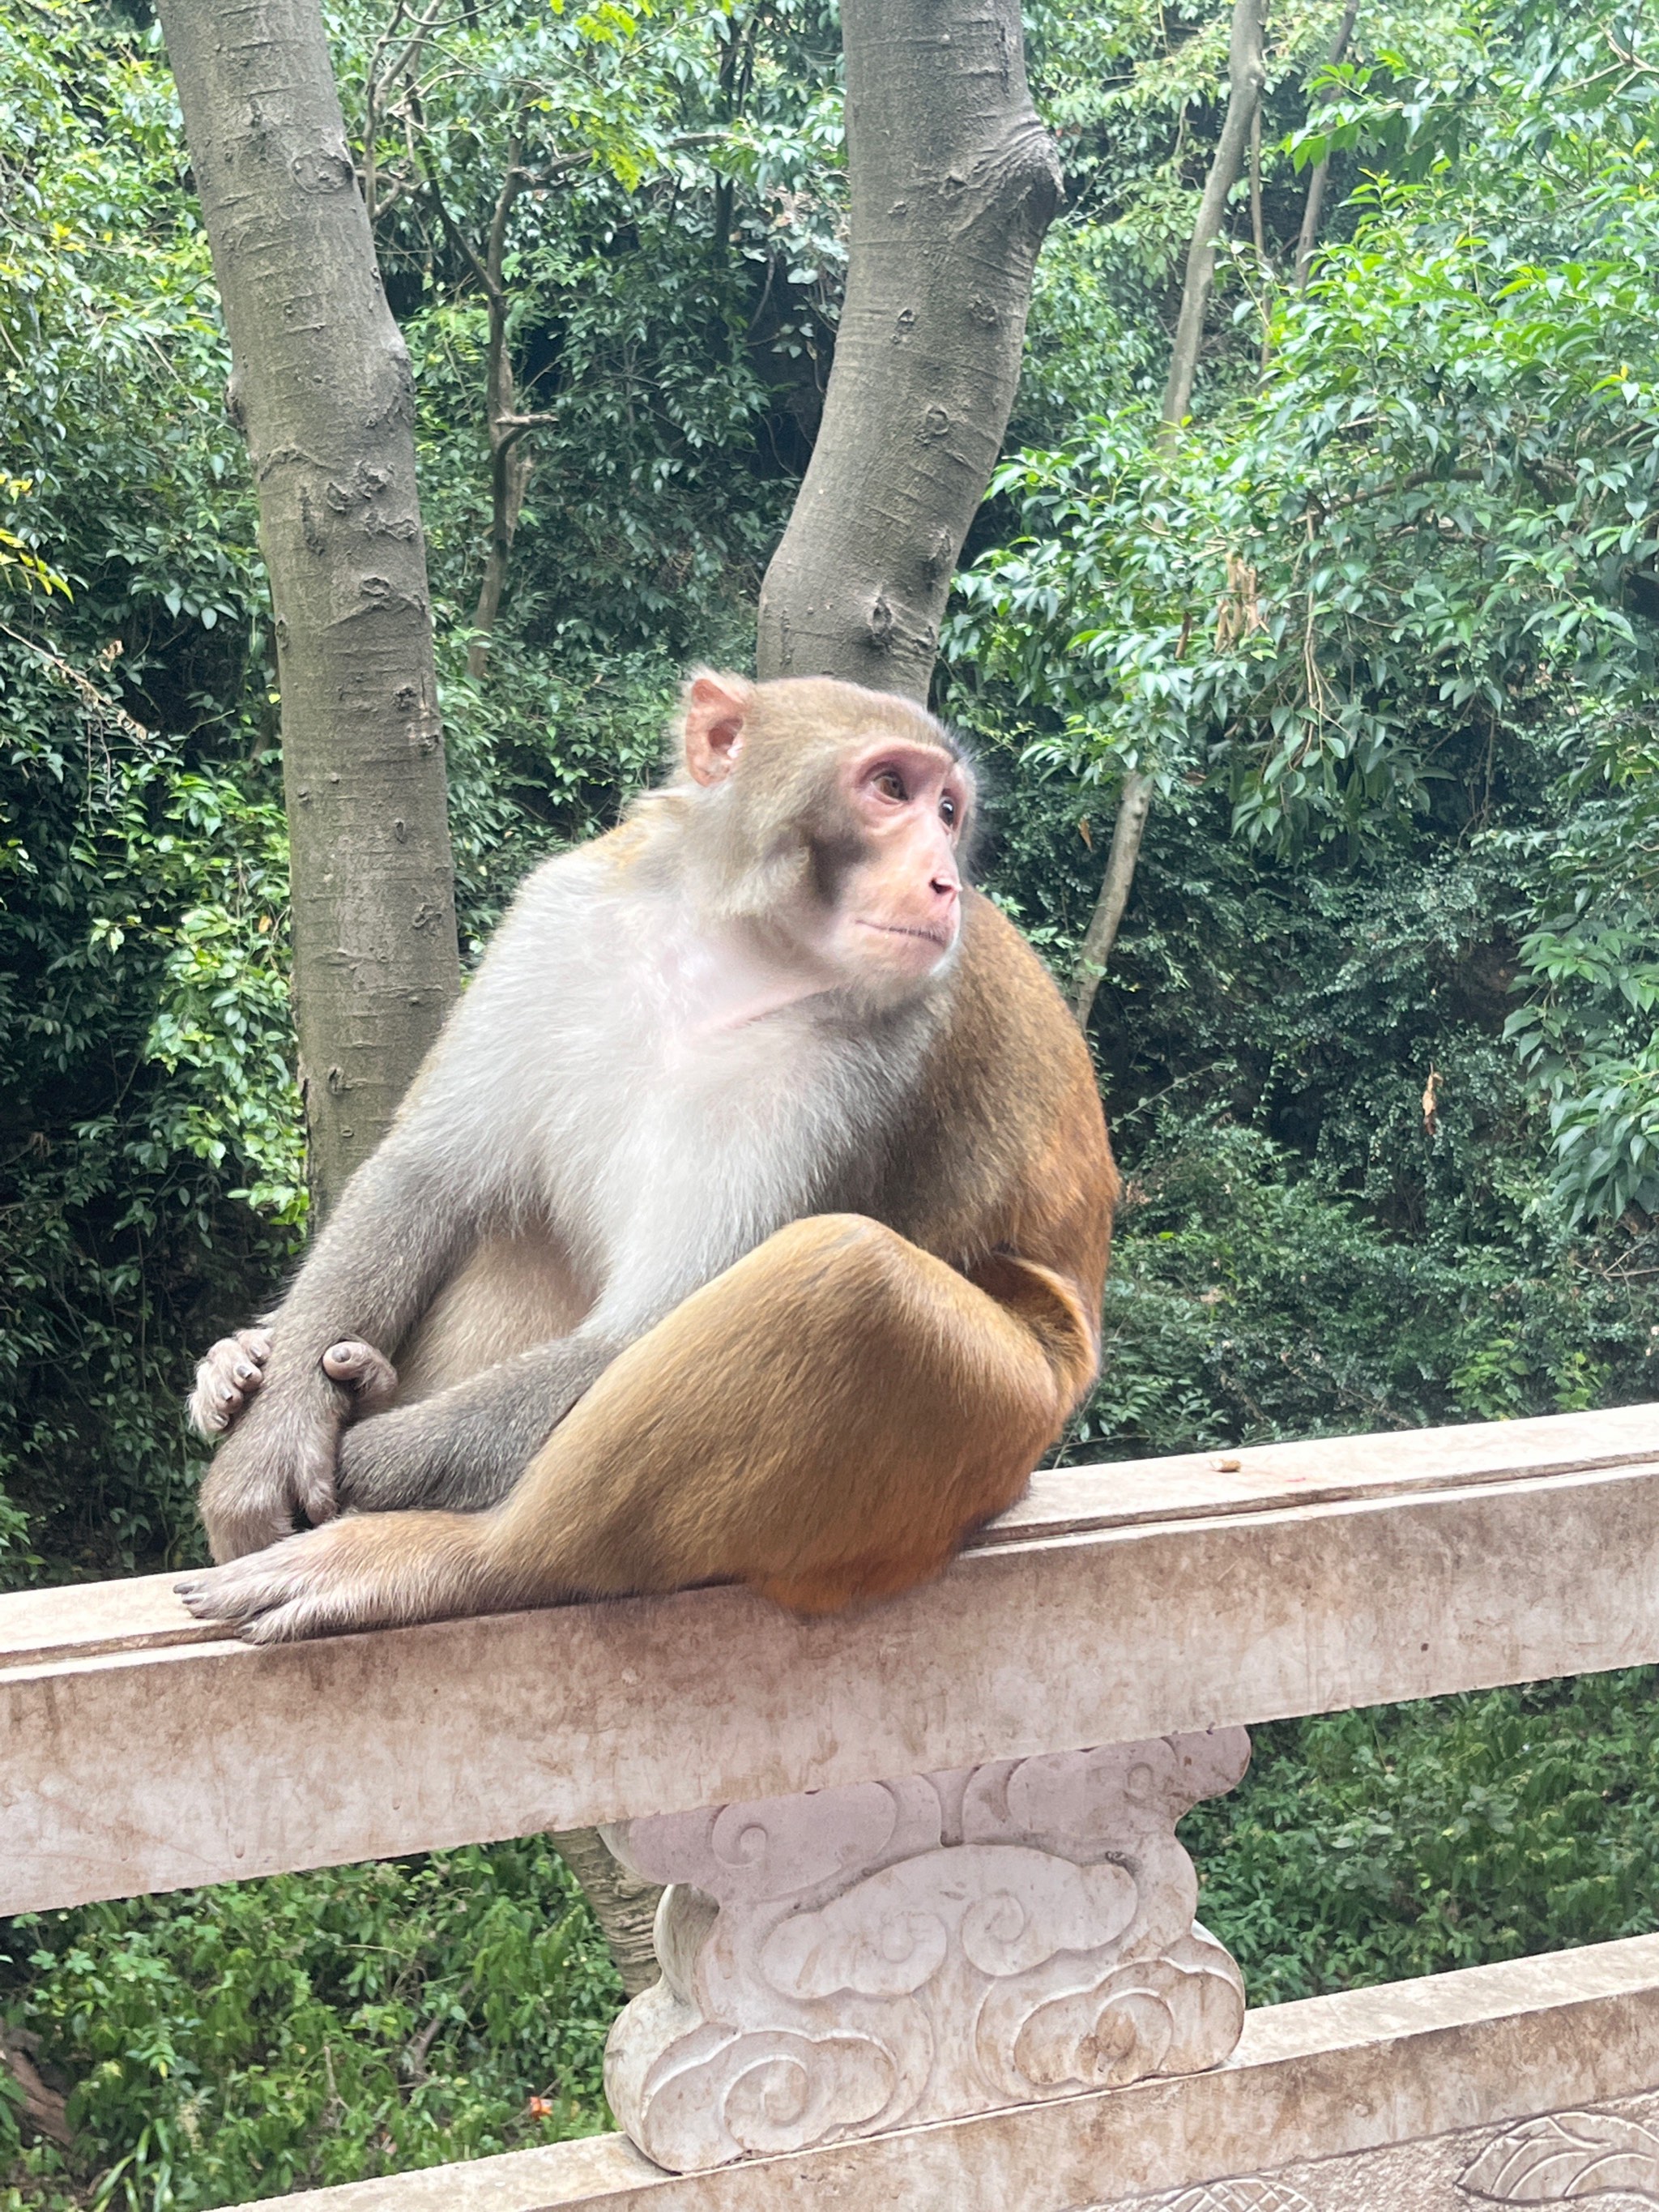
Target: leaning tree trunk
(321, 389)
(1247, 70)
(1314, 208)
(953, 181)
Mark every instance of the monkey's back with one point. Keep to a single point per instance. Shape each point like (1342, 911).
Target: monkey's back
(1005, 1145)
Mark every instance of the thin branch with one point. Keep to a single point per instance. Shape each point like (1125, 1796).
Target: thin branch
(1133, 806)
(1247, 70)
(1314, 207)
(457, 238)
(375, 80)
(1414, 482)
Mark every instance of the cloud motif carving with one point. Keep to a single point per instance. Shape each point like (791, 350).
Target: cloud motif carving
(1009, 1908)
(895, 1951)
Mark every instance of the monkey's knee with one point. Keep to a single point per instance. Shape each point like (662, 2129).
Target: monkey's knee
(850, 1248)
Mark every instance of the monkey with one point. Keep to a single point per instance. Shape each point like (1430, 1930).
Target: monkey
(747, 1223)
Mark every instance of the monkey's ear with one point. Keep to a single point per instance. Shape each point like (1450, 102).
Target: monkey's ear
(716, 708)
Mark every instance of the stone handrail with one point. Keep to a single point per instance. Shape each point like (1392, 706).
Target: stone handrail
(926, 1859)
(142, 1752)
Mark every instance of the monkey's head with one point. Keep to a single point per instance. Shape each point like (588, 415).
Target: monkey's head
(833, 822)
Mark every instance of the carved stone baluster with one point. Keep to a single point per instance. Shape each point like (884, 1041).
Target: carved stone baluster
(866, 1958)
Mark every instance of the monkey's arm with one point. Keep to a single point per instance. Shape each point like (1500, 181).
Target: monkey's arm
(466, 1446)
(397, 1232)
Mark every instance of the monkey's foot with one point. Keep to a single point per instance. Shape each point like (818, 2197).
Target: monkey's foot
(368, 1375)
(227, 1379)
(320, 1583)
(365, 1571)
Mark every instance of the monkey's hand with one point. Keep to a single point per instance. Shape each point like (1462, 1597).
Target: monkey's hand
(466, 1446)
(227, 1380)
(279, 1464)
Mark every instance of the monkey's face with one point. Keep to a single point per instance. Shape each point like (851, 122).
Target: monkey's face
(889, 880)
(832, 829)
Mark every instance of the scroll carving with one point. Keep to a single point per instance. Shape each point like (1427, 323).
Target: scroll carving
(1560, 2157)
(895, 1952)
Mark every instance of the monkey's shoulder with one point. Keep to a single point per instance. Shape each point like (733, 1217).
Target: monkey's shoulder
(1008, 1019)
(1006, 1129)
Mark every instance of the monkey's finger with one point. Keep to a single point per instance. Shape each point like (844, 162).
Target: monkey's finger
(368, 1374)
(225, 1380)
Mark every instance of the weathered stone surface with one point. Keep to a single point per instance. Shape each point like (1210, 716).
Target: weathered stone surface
(1420, 2097)
(855, 1960)
(138, 1753)
(1611, 2153)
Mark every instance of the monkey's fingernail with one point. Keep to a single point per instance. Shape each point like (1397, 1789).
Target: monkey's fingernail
(226, 1395)
(243, 1371)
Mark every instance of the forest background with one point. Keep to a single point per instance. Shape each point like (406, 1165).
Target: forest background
(1377, 1037)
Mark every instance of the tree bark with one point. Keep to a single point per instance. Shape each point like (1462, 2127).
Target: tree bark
(1314, 207)
(1247, 70)
(320, 387)
(953, 182)
(624, 1906)
(1135, 803)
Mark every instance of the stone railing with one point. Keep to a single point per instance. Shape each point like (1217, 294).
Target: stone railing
(930, 1940)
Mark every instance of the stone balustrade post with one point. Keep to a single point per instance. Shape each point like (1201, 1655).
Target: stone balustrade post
(856, 1959)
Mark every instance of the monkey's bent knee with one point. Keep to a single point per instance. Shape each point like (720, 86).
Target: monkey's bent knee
(855, 1239)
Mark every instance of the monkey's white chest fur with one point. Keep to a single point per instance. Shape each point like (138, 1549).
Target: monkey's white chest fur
(668, 1103)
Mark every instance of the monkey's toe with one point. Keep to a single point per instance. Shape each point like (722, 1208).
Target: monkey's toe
(368, 1374)
(307, 1585)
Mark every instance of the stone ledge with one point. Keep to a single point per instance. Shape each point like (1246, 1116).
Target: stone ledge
(137, 1755)
(1411, 2097)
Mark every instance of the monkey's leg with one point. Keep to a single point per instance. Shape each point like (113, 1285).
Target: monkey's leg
(825, 1421)
(465, 1448)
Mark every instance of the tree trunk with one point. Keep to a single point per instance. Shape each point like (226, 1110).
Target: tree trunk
(511, 465)
(1135, 803)
(1246, 70)
(1314, 207)
(321, 389)
(624, 1906)
(953, 182)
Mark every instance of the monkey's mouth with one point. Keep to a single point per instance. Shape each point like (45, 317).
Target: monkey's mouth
(941, 939)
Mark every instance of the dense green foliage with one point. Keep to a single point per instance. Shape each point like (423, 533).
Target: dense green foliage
(270, 2036)
(1377, 1038)
(1369, 1846)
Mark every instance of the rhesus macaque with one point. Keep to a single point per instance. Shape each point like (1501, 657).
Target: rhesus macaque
(748, 1221)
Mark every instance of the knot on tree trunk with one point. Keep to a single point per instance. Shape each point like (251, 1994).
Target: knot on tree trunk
(1016, 180)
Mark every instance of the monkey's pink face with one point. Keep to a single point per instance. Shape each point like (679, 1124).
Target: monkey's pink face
(897, 907)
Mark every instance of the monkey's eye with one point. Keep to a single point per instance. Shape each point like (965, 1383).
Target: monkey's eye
(891, 784)
(947, 812)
